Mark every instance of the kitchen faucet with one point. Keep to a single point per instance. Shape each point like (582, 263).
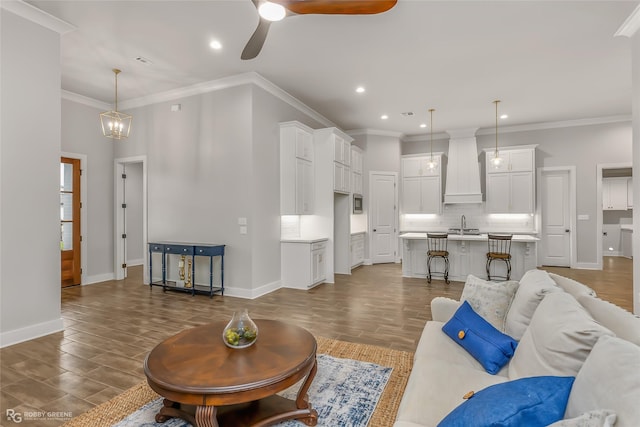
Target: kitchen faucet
(463, 224)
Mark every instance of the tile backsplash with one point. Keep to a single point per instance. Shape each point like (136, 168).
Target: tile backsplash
(475, 216)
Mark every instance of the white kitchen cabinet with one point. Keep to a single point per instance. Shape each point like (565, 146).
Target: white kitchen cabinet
(614, 193)
(296, 169)
(341, 178)
(421, 186)
(303, 263)
(356, 170)
(511, 187)
(341, 150)
(357, 249)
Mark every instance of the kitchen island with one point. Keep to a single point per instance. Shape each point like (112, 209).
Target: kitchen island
(467, 255)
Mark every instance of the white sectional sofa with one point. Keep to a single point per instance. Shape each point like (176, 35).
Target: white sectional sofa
(562, 329)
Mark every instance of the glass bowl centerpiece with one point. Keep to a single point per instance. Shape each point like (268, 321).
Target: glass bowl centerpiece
(241, 331)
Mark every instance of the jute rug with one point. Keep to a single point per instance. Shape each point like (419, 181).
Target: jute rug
(114, 410)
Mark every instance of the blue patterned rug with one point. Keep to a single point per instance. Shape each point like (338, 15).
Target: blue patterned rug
(345, 393)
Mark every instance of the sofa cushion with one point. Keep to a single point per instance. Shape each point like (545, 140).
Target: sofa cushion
(531, 402)
(609, 378)
(597, 418)
(436, 387)
(534, 285)
(622, 323)
(490, 300)
(558, 340)
(573, 287)
(486, 344)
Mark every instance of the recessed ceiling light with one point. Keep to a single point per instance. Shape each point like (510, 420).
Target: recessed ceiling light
(504, 116)
(360, 89)
(423, 125)
(384, 117)
(272, 11)
(215, 44)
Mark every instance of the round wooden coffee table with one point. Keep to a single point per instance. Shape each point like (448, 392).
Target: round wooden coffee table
(209, 384)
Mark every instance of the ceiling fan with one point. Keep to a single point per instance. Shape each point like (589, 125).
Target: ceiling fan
(284, 8)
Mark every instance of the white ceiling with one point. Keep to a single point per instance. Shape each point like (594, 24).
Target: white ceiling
(547, 61)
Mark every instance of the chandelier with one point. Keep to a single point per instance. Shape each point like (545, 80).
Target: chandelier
(115, 125)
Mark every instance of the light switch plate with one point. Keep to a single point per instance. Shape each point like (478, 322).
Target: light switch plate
(583, 217)
(243, 229)
(242, 221)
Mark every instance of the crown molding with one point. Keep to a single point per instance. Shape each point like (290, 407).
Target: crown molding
(40, 17)
(425, 137)
(374, 132)
(555, 125)
(85, 100)
(225, 83)
(631, 25)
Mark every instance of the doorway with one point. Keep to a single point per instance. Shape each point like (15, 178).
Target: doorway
(130, 215)
(70, 237)
(615, 210)
(383, 214)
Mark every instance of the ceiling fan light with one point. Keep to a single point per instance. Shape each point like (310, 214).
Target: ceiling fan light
(272, 11)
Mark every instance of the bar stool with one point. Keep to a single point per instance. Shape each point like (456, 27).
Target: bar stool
(499, 250)
(437, 248)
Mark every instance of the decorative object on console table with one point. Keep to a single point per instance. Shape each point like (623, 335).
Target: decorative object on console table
(184, 250)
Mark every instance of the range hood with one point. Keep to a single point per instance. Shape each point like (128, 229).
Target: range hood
(463, 172)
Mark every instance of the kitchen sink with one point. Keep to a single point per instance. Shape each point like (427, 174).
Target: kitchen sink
(465, 231)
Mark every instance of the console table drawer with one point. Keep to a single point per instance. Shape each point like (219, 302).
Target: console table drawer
(209, 250)
(178, 249)
(153, 247)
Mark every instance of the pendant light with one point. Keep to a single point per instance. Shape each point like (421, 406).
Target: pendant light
(431, 164)
(115, 125)
(496, 161)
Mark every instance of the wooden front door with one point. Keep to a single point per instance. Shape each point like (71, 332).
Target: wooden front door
(70, 221)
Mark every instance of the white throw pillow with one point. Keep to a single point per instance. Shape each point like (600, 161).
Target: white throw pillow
(534, 285)
(609, 378)
(597, 418)
(491, 300)
(558, 340)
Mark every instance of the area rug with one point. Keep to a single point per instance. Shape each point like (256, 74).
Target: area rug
(397, 363)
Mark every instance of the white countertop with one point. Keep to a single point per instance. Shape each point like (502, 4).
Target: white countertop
(355, 233)
(477, 237)
(304, 239)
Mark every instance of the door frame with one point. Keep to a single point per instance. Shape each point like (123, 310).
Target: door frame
(573, 261)
(119, 255)
(83, 211)
(396, 217)
(599, 215)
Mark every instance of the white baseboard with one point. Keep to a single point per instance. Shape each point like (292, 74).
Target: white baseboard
(30, 332)
(90, 280)
(252, 293)
(587, 266)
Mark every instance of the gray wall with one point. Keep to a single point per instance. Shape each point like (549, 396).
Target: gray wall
(81, 134)
(29, 180)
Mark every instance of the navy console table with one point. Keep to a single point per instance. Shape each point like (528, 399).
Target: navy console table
(190, 250)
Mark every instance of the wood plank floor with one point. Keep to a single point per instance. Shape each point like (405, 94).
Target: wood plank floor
(111, 326)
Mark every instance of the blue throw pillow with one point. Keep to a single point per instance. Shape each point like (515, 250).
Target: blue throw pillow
(530, 402)
(481, 339)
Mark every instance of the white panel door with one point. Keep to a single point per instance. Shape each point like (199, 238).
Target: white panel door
(383, 217)
(555, 247)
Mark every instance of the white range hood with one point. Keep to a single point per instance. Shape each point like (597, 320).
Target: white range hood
(463, 171)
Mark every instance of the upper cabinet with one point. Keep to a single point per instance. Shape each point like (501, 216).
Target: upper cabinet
(421, 186)
(356, 169)
(296, 169)
(511, 187)
(341, 164)
(615, 194)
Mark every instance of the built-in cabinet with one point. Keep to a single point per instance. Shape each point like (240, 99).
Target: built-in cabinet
(356, 170)
(357, 249)
(341, 164)
(615, 194)
(630, 193)
(303, 263)
(510, 188)
(296, 169)
(421, 185)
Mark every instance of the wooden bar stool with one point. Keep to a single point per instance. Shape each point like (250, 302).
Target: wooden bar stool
(437, 248)
(499, 250)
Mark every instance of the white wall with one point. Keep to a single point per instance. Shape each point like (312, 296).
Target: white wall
(29, 180)
(81, 134)
(635, 73)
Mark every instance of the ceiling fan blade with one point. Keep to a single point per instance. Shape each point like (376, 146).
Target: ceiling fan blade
(255, 43)
(337, 7)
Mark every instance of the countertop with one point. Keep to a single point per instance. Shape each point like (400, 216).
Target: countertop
(304, 239)
(471, 237)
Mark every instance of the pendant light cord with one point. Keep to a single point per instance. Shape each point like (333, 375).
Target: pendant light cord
(431, 110)
(496, 102)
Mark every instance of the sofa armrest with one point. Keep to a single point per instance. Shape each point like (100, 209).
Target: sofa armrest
(442, 309)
